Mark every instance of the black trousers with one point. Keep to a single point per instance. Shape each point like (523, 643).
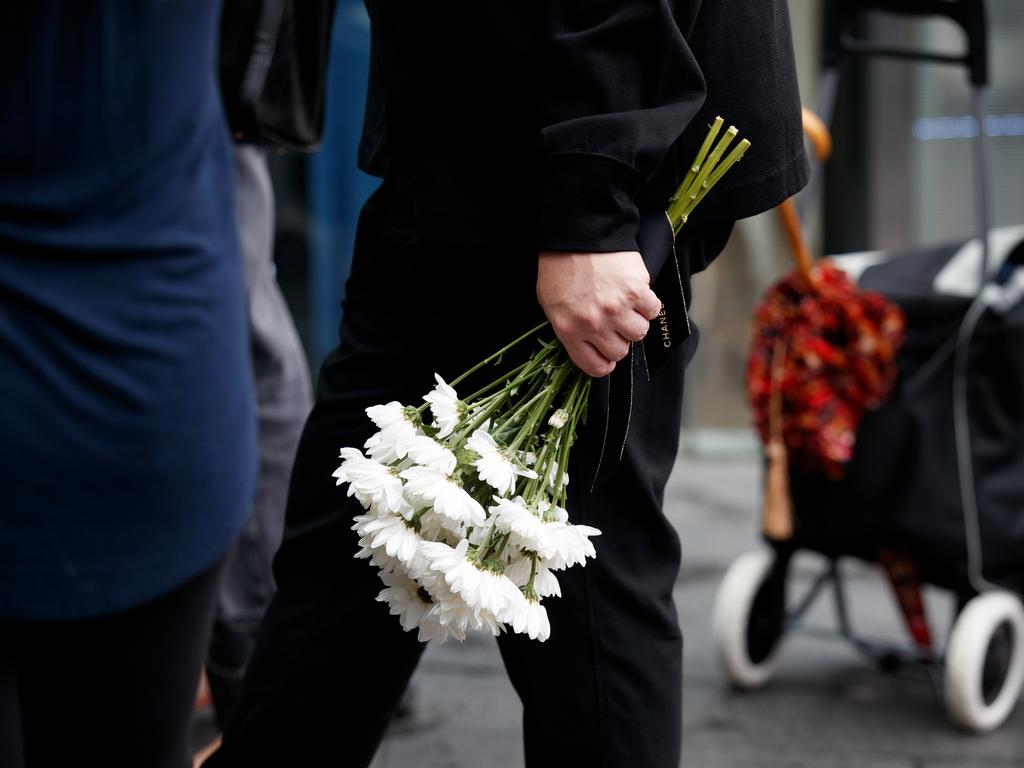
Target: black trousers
(331, 663)
(110, 691)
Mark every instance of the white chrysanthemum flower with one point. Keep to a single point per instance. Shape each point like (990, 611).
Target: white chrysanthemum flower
(428, 604)
(390, 532)
(451, 611)
(448, 410)
(552, 512)
(427, 452)
(532, 619)
(567, 545)
(372, 483)
(432, 488)
(494, 466)
(377, 556)
(397, 428)
(559, 419)
(514, 517)
(559, 544)
(544, 582)
(436, 624)
(437, 627)
(459, 617)
(477, 535)
(405, 598)
(437, 527)
(480, 589)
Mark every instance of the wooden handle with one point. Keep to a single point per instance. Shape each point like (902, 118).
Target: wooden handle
(821, 144)
(795, 235)
(818, 134)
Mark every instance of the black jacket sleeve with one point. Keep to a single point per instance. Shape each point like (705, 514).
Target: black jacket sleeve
(622, 86)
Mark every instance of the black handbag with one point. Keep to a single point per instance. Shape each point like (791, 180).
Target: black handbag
(273, 70)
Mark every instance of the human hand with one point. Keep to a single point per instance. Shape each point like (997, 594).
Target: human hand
(597, 303)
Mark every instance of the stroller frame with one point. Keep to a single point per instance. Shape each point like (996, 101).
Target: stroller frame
(754, 589)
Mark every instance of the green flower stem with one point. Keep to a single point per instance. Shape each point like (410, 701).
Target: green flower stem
(576, 406)
(540, 409)
(478, 420)
(501, 545)
(713, 158)
(484, 495)
(499, 353)
(683, 204)
(485, 545)
(556, 447)
(579, 397)
(417, 518)
(538, 385)
(533, 574)
(495, 401)
(509, 380)
(522, 408)
(734, 157)
(731, 159)
(490, 549)
(539, 467)
(500, 381)
(698, 161)
(519, 374)
(707, 169)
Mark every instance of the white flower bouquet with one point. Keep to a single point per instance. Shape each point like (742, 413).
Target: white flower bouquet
(465, 514)
(465, 510)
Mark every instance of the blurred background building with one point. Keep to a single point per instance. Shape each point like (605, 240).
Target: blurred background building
(901, 176)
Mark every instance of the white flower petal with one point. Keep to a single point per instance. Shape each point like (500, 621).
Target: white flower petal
(391, 443)
(446, 407)
(484, 592)
(512, 516)
(494, 465)
(532, 619)
(567, 545)
(544, 582)
(427, 452)
(404, 599)
(387, 533)
(558, 419)
(432, 488)
(371, 482)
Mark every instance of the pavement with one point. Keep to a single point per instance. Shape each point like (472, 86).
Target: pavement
(826, 706)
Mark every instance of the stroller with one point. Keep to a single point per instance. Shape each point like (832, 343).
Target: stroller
(935, 488)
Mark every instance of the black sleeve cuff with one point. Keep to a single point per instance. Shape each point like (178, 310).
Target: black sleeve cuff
(587, 205)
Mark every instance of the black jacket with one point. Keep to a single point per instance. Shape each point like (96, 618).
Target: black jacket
(555, 123)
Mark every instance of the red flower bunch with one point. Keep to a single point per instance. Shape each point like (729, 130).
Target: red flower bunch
(838, 347)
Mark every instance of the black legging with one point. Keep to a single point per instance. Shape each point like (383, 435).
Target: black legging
(111, 691)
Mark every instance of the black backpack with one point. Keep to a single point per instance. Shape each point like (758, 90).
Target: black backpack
(273, 70)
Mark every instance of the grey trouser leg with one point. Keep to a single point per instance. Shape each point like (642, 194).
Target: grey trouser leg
(283, 397)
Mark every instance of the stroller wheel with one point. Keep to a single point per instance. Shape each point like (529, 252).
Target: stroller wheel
(985, 661)
(748, 619)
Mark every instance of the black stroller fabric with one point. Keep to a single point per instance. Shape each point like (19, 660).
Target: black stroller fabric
(902, 488)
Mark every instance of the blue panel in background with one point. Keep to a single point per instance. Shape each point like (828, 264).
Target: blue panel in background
(337, 189)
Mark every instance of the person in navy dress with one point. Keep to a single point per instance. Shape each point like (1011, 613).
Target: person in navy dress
(127, 427)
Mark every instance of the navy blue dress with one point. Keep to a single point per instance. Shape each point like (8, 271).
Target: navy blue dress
(127, 431)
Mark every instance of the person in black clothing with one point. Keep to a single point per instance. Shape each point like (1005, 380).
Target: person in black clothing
(504, 131)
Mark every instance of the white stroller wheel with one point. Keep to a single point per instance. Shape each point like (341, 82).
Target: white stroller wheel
(984, 670)
(748, 661)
